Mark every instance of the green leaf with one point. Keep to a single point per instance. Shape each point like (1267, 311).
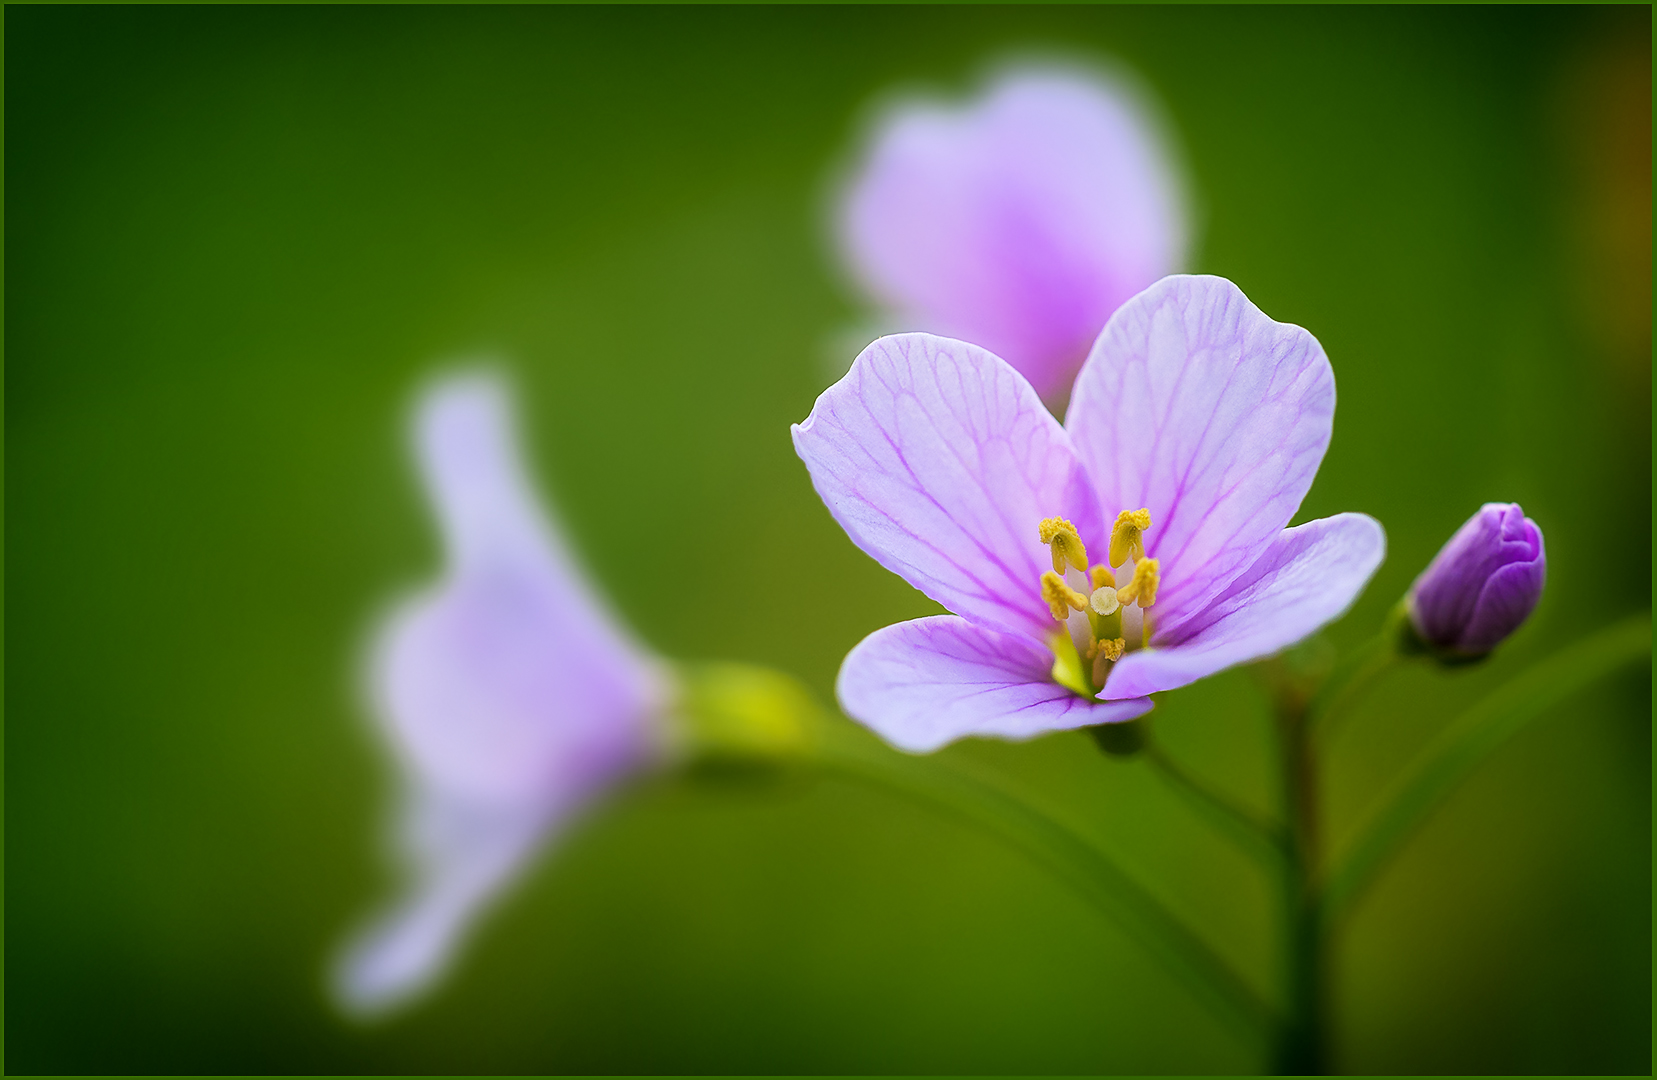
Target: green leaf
(1465, 744)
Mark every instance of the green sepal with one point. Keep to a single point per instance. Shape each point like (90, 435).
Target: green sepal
(744, 714)
(1123, 739)
(1400, 630)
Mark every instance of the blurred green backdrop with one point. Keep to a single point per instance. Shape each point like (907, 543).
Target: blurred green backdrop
(237, 239)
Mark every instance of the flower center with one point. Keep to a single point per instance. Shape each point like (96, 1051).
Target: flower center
(1100, 610)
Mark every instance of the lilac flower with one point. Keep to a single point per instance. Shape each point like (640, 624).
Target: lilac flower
(1482, 584)
(1195, 430)
(507, 696)
(1020, 221)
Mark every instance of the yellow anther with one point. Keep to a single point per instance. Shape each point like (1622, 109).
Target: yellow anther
(1110, 648)
(1127, 539)
(1147, 574)
(1104, 600)
(1066, 543)
(1102, 577)
(1104, 653)
(1051, 527)
(1060, 597)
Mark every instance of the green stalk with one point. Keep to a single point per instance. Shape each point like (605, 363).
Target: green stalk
(1301, 1047)
(1374, 659)
(1073, 859)
(1265, 839)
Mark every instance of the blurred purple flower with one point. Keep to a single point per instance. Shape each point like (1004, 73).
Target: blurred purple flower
(1482, 584)
(507, 695)
(1019, 221)
(1197, 417)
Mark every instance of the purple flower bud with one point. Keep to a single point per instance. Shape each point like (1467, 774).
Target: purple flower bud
(1482, 584)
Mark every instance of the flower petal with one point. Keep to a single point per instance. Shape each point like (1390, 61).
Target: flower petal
(1197, 406)
(508, 696)
(459, 857)
(1507, 601)
(508, 682)
(940, 461)
(1019, 221)
(922, 684)
(1307, 578)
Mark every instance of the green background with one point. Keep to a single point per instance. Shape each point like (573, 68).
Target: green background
(236, 241)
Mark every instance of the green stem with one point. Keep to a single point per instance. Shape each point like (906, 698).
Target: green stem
(1467, 742)
(1263, 838)
(1301, 1048)
(1377, 656)
(1072, 858)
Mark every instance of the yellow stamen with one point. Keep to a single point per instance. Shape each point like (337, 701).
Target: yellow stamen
(1104, 654)
(1142, 589)
(1127, 535)
(1065, 541)
(1060, 597)
(1102, 577)
(1104, 600)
